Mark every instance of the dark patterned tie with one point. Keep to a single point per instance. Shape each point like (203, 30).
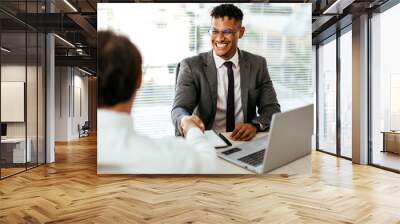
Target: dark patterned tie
(230, 103)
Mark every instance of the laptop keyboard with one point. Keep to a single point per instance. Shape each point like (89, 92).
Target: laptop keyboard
(254, 159)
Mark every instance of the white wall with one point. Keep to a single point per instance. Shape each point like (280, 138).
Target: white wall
(71, 102)
(16, 73)
(80, 110)
(61, 103)
(33, 126)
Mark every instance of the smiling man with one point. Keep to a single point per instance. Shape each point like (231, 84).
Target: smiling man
(223, 88)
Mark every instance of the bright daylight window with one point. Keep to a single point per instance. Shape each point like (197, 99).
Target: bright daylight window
(168, 33)
(385, 87)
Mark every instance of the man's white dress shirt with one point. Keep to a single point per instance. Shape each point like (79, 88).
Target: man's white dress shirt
(122, 150)
(222, 77)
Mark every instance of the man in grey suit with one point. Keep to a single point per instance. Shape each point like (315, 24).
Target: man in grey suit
(222, 88)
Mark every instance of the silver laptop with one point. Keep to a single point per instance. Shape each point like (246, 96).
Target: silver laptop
(289, 139)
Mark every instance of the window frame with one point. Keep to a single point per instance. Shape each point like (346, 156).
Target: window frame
(333, 37)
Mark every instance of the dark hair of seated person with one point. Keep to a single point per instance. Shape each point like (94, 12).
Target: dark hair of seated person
(119, 69)
(229, 10)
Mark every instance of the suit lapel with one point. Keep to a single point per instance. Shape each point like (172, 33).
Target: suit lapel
(244, 82)
(211, 75)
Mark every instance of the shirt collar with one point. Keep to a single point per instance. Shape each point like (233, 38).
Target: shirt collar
(220, 61)
(108, 119)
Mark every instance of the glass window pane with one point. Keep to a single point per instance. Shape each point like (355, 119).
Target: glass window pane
(327, 97)
(31, 96)
(32, 87)
(346, 94)
(386, 89)
(14, 153)
(22, 85)
(41, 98)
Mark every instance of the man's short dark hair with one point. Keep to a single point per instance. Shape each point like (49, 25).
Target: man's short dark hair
(119, 68)
(229, 10)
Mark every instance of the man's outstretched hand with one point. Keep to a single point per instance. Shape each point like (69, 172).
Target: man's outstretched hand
(189, 122)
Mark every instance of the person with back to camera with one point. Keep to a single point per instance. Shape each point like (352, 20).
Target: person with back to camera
(119, 78)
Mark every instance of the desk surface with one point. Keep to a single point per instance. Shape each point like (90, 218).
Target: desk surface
(299, 166)
(13, 140)
(391, 132)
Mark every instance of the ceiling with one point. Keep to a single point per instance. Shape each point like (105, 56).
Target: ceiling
(75, 21)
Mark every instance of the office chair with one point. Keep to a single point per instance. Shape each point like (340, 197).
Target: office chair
(84, 130)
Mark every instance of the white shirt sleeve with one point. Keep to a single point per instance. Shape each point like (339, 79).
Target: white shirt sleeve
(207, 157)
(170, 155)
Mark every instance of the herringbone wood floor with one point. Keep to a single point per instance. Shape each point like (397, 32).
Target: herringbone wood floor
(69, 191)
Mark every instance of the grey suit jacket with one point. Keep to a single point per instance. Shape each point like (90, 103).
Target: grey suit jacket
(196, 90)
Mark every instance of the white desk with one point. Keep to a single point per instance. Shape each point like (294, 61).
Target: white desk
(299, 166)
(18, 150)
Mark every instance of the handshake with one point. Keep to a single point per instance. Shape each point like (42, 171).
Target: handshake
(242, 132)
(188, 122)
